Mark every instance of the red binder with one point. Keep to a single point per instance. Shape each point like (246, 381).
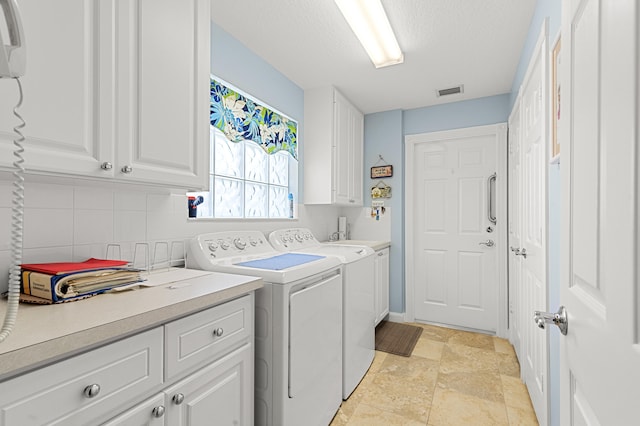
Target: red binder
(67, 267)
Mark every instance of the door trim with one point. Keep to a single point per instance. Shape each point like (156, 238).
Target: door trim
(500, 132)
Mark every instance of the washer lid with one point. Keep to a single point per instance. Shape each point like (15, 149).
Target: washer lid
(281, 261)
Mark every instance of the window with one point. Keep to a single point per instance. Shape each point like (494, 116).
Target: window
(253, 169)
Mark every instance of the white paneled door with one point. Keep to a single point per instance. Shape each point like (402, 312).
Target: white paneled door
(454, 266)
(514, 230)
(531, 255)
(600, 354)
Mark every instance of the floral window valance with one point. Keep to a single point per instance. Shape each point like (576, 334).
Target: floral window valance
(241, 118)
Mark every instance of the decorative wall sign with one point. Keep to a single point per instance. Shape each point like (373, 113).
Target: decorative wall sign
(381, 190)
(381, 171)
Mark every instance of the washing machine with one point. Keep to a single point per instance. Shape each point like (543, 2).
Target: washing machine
(358, 305)
(298, 323)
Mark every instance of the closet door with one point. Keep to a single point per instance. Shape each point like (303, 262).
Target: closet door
(599, 355)
(529, 258)
(515, 222)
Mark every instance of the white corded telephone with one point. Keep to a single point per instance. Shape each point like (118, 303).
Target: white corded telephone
(12, 66)
(12, 56)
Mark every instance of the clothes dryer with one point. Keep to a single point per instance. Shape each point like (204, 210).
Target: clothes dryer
(358, 305)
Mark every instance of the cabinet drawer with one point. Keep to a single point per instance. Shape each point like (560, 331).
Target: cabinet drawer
(146, 413)
(60, 394)
(196, 339)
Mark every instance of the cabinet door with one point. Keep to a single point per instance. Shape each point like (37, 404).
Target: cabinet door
(343, 149)
(356, 158)
(147, 413)
(220, 394)
(163, 91)
(68, 88)
(382, 284)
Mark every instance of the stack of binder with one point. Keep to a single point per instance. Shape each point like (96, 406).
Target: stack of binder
(61, 282)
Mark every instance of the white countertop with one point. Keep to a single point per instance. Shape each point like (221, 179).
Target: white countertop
(46, 333)
(376, 245)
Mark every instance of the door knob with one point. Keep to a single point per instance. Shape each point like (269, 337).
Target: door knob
(522, 252)
(488, 243)
(559, 318)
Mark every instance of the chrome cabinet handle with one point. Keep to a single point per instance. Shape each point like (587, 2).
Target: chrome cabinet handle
(488, 243)
(126, 169)
(106, 166)
(522, 252)
(158, 411)
(559, 318)
(178, 398)
(490, 215)
(218, 332)
(91, 390)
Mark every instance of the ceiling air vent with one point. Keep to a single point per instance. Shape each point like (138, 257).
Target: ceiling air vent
(450, 91)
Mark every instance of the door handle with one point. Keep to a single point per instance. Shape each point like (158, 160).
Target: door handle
(490, 215)
(522, 252)
(559, 318)
(488, 243)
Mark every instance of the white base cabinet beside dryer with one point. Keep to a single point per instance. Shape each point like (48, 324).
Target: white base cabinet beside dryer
(186, 372)
(381, 280)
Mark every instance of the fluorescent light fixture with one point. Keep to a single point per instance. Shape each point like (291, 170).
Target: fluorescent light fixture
(370, 24)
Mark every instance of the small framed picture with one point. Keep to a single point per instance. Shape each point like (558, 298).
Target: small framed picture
(381, 171)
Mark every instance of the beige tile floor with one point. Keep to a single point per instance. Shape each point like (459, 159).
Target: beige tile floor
(452, 378)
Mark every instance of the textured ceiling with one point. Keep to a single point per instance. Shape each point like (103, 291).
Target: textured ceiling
(445, 43)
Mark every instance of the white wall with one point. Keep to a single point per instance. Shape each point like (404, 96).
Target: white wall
(71, 220)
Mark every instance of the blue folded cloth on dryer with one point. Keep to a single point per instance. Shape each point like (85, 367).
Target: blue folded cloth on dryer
(282, 261)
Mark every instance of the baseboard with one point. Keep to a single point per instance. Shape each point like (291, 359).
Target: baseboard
(396, 317)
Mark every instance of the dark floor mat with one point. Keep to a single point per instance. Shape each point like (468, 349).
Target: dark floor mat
(396, 338)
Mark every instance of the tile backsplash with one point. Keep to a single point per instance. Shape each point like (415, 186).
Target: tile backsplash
(72, 220)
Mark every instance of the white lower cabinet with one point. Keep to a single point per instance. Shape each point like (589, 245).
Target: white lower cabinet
(381, 280)
(87, 387)
(125, 382)
(220, 394)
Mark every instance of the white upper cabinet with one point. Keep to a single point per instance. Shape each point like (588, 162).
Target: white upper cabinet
(163, 96)
(333, 144)
(113, 89)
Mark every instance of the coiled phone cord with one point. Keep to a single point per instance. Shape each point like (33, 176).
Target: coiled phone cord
(17, 217)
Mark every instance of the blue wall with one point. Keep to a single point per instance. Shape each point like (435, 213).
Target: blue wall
(457, 115)
(233, 62)
(383, 136)
(544, 9)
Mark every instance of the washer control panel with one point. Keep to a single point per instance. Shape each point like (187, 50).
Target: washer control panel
(292, 239)
(232, 243)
